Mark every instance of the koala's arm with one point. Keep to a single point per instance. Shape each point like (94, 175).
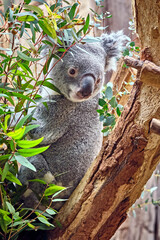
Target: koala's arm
(52, 121)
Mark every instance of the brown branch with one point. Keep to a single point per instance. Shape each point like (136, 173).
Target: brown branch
(149, 72)
(99, 204)
(155, 126)
(132, 62)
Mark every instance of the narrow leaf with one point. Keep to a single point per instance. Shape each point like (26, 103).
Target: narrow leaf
(12, 178)
(32, 151)
(45, 221)
(35, 9)
(30, 127)
(17, 134)
(25, 57)
(86, 25)
(10, 207)
(23, 161)
(29, 144)
(22, 121)
(53, 189)
(5, 171)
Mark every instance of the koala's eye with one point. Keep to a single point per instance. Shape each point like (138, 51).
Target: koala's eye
(72, 72)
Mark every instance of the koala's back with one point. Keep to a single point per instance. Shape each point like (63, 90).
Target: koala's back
(70, 156)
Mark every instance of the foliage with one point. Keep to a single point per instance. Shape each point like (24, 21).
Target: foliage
(19, 86)
(148, 196)
(110, 109)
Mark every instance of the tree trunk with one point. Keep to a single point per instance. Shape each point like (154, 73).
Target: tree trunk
(129, 156)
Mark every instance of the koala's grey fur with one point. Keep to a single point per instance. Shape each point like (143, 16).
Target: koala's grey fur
(71, 123)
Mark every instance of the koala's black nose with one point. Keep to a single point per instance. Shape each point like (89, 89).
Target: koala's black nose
(87, 86)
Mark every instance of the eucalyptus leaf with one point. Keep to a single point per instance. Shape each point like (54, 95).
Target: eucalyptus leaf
(32, 151)
(34, 9)
(113, 102)
(10, 207)
(29, 143)
(25, 57)
(12, 178)
(53, 189)
(17, 134)
(45, 221)
(109, 93)
(86, 25)
(23, 161)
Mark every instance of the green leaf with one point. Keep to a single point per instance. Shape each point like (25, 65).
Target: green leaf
(38, 180)
(59, 200)
(101, 102)
(32, 151)
(17, 134)
(31, 225)
(126, 52)
(86, 25)
(24, 68)
(106, 129)
(34, 8)
(23, 161)
(5, 157)
(51, 86)
(45, 221)
(3, 212)
(109, 93)
(19, 95)
(6, 122)
(26, 16)
(51, 211)
(132, 44)
(46, 65)
(12, 178)
(30, 127)
(21, 223)
(113, 102)
(3, 224)
(5, 171)
(53, 189)
(29, 144)
(10, 208)
(26, 58)
(22, 121)
(7, 219)
(19, 106)
(109, 121)
(101, 118)
(27, 1)
(47, 28)
(8, 98)
(72, 11)
(47, 43)
(120, 107)
(118, 111)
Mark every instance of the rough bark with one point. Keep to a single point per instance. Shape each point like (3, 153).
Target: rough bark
(129, 156)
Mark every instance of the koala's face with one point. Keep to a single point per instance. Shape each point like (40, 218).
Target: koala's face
(79, 76)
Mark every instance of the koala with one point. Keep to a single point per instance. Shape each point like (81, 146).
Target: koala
(70, 124)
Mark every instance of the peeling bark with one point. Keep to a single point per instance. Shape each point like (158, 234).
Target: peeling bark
(113, 183)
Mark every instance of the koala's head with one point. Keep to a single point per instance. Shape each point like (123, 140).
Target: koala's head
(80, 74)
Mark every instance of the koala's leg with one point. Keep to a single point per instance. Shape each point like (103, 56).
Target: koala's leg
(35, 189)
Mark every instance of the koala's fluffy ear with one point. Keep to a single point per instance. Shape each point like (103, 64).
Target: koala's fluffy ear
(113, 45)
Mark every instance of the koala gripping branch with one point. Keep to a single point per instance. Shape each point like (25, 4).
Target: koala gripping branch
(116, 178)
